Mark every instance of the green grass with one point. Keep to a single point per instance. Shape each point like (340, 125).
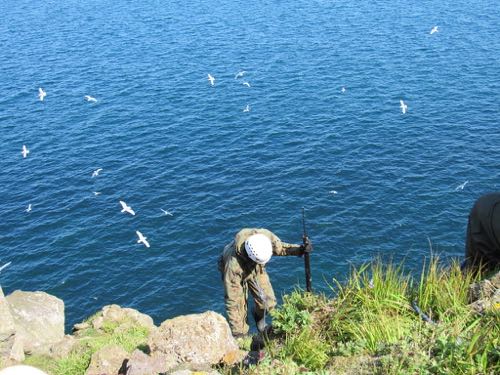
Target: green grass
(123, 334)
(370, 327)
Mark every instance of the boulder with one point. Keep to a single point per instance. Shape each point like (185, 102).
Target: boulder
(22, 370)
(119, 314)
(114, 316)
(11, 346)
(63, 348)
(39, 319)
(108, 360)
(140, 363)
(485, 295)
(196, 339)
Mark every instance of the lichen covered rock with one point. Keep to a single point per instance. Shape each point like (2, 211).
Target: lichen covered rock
(108, 360)
(114, 316)
(485, 295)
(196, 339)
(38, 318)
(11, 347)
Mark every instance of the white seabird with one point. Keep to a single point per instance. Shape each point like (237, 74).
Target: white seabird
(342, 89)
(90, 98)
(247, 108)
(434, 30)
(96, 172)
(168, 213)
(239, 74)
(25, 151)
(41, 94)
(142, 239)
(127, 208)
(462, 186)
(211, 78)
(29, 208)
(403, 106)
(247, 84)
(5, 266)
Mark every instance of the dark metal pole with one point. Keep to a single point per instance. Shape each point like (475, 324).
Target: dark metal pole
(307, 260)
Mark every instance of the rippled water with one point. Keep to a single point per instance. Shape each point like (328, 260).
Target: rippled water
(166, 139)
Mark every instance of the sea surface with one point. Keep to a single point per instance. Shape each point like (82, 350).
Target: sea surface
(373, 181)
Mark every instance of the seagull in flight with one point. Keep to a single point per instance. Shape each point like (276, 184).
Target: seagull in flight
(5, 266)
(41, 94)
(247, 108)
(247, 84)
(434, 30)
(461, 186)
(403, 106)
(168, 213)
(126, 208)
(90, 98)
(142, 239)
(96, 193)
(29, 208)
(25, 151)
(211, 78)
(239, 74)
(96, 172)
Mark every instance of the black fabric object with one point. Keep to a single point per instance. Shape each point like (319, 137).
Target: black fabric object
(483, 233)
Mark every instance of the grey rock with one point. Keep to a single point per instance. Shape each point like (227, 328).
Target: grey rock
(11, 346)
(196, 339)
(81, 326)
(115, 315)
(140, 363)
(98, 323)
(39, 319)
(108, 360)
(62, 348)
(485, 295)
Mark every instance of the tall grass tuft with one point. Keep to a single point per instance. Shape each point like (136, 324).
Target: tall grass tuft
(372, 308)
(384, 321)
(443, 291)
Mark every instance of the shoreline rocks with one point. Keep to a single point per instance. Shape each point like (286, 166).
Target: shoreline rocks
(38, 319)
(11, 348)
(117, 340)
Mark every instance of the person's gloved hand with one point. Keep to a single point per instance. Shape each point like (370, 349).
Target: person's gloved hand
(306, 247)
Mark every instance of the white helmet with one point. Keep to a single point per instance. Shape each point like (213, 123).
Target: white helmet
(259, 248)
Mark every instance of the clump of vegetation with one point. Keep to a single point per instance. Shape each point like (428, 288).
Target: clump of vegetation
(127, 335)
(372, 326)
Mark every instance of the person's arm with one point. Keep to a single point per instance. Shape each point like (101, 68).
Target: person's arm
(292, 249)
(283, 248)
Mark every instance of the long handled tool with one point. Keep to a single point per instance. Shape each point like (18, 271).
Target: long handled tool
(307, 250)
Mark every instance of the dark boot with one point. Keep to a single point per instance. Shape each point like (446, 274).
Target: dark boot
(260, 320)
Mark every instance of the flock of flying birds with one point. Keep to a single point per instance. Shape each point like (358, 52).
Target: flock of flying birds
(128, 209)
(125, 207)
(238, 75)
(402, 104)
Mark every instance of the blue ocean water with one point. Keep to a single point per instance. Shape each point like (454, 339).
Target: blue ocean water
(372, 180)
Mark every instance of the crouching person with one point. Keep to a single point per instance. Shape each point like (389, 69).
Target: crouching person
(242, 266)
